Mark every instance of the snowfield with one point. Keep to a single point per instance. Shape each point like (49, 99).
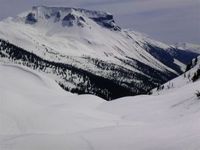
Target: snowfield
(36, 114)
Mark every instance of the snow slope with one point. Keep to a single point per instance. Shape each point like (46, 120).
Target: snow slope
(36, 114)
(181, 81)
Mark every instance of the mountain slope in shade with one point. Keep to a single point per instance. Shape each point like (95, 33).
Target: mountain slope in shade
(86, 52)
(184, 52)
(188, 47)
(47, 117)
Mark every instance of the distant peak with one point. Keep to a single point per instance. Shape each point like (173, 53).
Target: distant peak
(89, 13)
(42, 11)
(68, 16)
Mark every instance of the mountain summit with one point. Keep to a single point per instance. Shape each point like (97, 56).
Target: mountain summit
(68, 17)
(85, 52)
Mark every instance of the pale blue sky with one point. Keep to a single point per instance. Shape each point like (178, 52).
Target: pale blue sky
(169, 21)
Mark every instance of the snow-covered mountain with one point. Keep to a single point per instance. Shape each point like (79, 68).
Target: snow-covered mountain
(188, 47)
(184, 52)
(36, 114)
(87, 52)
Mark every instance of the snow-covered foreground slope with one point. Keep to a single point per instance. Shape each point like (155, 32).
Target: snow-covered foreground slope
(36, 114)
(87, 53)
(181, 81)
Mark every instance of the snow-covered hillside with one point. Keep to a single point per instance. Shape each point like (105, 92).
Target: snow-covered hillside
(86, 52)
(183, 80)
(36, 114)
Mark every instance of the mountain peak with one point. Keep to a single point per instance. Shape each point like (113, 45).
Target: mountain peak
(70, 16)
(89, 13)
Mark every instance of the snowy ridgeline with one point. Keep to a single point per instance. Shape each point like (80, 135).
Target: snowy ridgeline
(36, 114)
(69, 17)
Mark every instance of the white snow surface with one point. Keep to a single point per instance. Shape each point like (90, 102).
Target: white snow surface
(36, 114)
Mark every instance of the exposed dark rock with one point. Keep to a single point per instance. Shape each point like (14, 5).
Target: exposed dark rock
(69, 17)
(107, 22)
(31, 18)
(68, 20)
(82, 19)
(57, 17)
